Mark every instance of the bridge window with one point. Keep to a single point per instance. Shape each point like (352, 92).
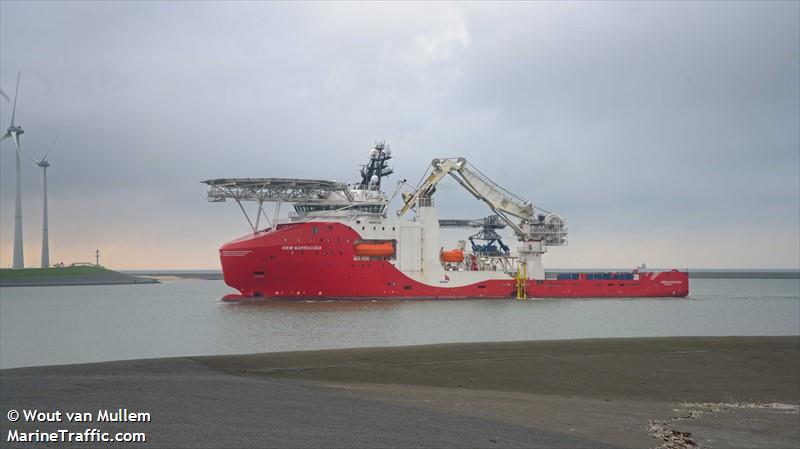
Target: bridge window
(306, 208)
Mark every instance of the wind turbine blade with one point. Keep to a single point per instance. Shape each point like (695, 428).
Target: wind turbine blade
(15, 138)
(14, 109)
(16, 141)
(51, 147)
(5, 136)
(3, 94)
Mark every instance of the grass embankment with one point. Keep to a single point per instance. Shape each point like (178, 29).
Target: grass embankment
(82, 275)
(27, 273)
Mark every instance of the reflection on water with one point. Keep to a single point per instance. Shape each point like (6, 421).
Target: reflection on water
(270, 306)
(52, 325)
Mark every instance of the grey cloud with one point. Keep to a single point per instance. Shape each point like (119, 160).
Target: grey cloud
(625, 117)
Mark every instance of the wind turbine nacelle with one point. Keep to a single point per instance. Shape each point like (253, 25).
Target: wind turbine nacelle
(15, 130)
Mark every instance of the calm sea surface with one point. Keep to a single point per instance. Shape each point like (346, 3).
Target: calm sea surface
(61, 325)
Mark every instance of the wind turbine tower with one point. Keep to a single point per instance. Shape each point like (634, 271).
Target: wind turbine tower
(14, 131)
(45, 238)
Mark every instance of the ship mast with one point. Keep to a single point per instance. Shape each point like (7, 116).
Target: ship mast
(377, 167)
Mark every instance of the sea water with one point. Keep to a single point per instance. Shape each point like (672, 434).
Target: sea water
(65, 325)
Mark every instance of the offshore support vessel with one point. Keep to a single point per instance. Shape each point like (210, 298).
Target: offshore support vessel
(340, 242)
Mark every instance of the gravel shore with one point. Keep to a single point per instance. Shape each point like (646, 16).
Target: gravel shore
(655, 392)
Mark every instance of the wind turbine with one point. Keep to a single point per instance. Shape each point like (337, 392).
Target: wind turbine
(14, 131)
(45, 239)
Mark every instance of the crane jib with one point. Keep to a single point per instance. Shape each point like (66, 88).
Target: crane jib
(550, 229)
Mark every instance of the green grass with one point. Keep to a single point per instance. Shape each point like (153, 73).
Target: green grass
(28, 273)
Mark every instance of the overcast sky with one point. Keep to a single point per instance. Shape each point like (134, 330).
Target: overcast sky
(664, 132)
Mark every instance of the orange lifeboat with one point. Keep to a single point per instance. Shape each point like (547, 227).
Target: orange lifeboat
(375, 249)
(455, 256)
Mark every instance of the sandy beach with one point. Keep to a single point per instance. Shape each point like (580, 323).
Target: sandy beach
(654, 392)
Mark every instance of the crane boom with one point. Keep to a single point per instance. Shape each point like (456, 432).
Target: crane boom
(440, 169)
(550, 229)
(497, 198)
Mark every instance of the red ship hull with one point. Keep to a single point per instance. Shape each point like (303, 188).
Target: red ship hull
(318, 261)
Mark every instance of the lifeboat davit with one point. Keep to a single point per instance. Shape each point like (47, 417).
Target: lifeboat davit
(455, 256)
(375, 249)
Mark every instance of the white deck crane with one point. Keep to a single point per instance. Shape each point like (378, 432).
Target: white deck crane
(534, 231)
